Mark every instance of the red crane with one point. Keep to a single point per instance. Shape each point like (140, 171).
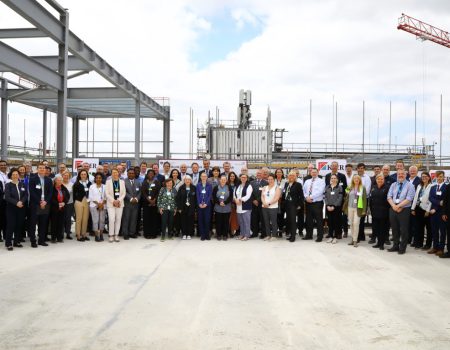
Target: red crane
(423, 30)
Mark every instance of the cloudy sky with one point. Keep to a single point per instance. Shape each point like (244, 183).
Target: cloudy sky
(201, 53)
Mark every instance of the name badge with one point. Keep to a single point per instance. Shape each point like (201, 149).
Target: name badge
(188, 204)
(38, 187)
(149, 197)
(439, 193)
(260, 188)
(168, 194)
(341, 184)
(168, 208)
(152, 185)
(397, 201)
(203, 191)
(420, 199)
(22, 189)
(222, 197)
(332, 193)
(86, 189)
(355, 201)
(359, 193)
(137, 189)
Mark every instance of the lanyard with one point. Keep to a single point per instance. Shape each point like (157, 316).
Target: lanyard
(288, 191)
(100, 192)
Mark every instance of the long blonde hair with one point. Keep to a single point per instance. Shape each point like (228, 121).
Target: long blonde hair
(352, 183)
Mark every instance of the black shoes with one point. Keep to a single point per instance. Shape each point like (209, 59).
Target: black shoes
(18, 245)
(445, 255)
(10, 248)
(60, 240)
(80, 239)
(34, 245)
(43, 244)
(307, 238)
(402, 251)
(126, 238)
(134, 236)
(393, 249)
(372, 241)
(69, 237)
(318, 240)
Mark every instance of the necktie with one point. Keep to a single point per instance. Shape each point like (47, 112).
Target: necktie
(399, 190)
(311, 187)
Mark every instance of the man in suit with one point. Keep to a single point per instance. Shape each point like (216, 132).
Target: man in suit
(159, 176)
(206, 168)
(334, 171)
(415, 180)
(256, 216)
(226, 169)
(399, 165)
(293, 201)
(40, 190)
(195, 174)
(132, 200)
(446, 219)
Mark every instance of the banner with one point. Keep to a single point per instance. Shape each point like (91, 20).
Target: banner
(323, 165)
(446, 175)
(116, 162)
(236, 165)
(93, 162)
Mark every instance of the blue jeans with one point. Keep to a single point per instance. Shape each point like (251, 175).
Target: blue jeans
(204, 221)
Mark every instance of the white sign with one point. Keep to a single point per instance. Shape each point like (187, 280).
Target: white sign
(93, 163)
(236, 165)
(323, 165)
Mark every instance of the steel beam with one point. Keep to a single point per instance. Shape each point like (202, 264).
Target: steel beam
(44, 133)
(51, 62)
(73, 93)
(38, 16)
(75, 137)
(4, 121)
(166, 137)
(18, 33)
(61, 127)
(137, 133)
(26, 67)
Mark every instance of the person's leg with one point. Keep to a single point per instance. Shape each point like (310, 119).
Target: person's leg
(85, 217)
(146, 216)
(393, 219)
(309, 221)
(171, 220)
(111, 222)
(362, 224)
(132, 220)
(318, 216)
(420, 228)
(412, 228)
(246, 223)
(117, 224)
(164, 223)
(331, 224)
(10, 226)
(42, 228)
(95, 218)
(266, 223)
(78, 218)
(20, 223)
(435, 231)
(207, 223)
(404, 219)
(68, 213)
(273, 218)
(126, 221)
(376, 230)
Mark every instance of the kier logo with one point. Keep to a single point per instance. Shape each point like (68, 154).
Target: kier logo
(322, 166)
(78, 163)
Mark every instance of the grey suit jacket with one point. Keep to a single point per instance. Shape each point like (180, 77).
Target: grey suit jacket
(132, 191)
(256, 194)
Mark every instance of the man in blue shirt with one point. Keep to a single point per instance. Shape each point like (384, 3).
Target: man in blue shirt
(313, 191)
(400, 196)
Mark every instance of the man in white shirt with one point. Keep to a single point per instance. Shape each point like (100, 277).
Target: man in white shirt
(313, 190)
(367, 183)
(183, 171)
(166, 168)
(143, 172)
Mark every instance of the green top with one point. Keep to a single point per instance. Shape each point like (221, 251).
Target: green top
(166, 199)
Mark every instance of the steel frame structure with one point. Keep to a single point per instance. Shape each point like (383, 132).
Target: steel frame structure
(51, 74)
(423, 30)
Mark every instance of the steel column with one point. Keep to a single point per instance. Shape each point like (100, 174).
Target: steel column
(75, 137)
(137, 132)
(61, 127)
(166, 136)
(44, 133)
(4, 121)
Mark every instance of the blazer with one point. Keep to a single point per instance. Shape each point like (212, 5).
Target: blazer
(446, 207)
(182, 198)
(379, 206)
(257, 189)
(132, 191)
(11, 195)
(54, 204)
(335, 199)
(415, 182)
(435, 198)
(209, 173)
(150, 189)
(296, 195)
(204, 197)
(341, 177)
(35, 190)
(79, 191)
(161, 178)
(425, 203)
(2, 192)
(109, 192)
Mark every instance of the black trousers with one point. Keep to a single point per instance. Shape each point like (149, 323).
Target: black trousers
(412, 228)
(151, 218)
(422, 223)
(345, 223)
(314, 212)
(280, 219)
(300, 220)
(291, 216)
(57, 219)
(41, 221)
(187, 222)
(400, 227)
(68, 213)
(335, 222)
(222, 224)
(167, 223)
(14, 225)
(256, 224)
(380, 229)
(362, 223)
(2, 218)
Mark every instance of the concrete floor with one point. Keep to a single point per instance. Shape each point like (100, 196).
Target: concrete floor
(143, 294)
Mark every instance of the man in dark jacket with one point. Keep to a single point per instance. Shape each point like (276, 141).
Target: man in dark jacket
(341, 177)
(293, 200)
(446, 218)
(256, 218)
(40, 189)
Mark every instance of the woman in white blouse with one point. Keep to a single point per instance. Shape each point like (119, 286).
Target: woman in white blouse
(420, 208)
(270, 196)
(115, 194)
(97, 206)
(242, 198)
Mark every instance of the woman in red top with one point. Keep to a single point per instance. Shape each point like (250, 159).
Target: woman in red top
(60, 197)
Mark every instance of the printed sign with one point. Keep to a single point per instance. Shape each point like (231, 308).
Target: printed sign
(323, 165)
(93, 162)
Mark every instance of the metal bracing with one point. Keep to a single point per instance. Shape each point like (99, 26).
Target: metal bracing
(75, 137)
(21, 64)
(4, 120)
(50, 74)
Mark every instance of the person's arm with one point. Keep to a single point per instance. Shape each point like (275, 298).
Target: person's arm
(127, 193)
(215, 200)
(409, 195)
(109, 192)
(122, 192)
(390, 196)
(92, 195)
(139, 191)
(248, 194)
(344, 181)
(340, 195)
(48, 190)
(230, 197)
(160, 202)
(277, 196)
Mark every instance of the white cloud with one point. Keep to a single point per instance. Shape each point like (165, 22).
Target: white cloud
(307, 50)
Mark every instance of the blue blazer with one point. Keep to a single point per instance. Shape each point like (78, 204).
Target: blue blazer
(160, 178)
(434, 198)
(35, 193)
(204, 197)
(416, 182)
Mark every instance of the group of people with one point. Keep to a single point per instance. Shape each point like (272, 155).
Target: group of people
(218, 202)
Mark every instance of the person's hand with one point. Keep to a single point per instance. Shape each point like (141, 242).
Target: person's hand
(413, 212)
(399, 209)
(309, 199)
(161, 211)
(427, 214)
(222, 204)
(445, 218)
(19, 204)
(432, 211)
(255, 203)
(395, 207)
(175, 212)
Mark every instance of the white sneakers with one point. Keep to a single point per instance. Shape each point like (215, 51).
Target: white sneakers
(330, 240)
(334, 241)
(184, 237)
(188, 237)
